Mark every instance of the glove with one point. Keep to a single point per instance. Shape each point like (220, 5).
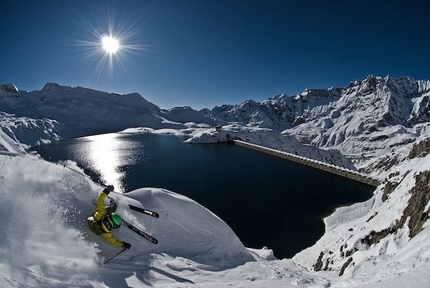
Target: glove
(126, 245)
(108, 189)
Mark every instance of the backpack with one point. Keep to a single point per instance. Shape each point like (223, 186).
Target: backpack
(94, 225)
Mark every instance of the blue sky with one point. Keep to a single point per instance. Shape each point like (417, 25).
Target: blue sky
(203, 53)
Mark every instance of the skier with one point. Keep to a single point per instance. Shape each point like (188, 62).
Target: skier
(104, 219)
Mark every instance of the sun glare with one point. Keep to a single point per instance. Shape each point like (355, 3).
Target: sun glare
(110, 44)
(107, 46)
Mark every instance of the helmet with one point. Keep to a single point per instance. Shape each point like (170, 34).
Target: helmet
(114, 220)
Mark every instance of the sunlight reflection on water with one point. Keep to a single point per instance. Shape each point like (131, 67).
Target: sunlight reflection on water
(104, 156)
(107, 155)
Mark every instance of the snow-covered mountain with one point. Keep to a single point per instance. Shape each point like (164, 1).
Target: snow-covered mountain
(18, 133)
(279, 112)
(380, 126)
(364, 120)
(379, 102)
(82, 111)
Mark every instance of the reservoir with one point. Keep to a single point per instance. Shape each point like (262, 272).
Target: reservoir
(266, 200)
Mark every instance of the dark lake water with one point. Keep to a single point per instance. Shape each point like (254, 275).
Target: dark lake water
(266, 200)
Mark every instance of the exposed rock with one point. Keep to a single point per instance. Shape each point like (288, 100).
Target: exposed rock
(318, 266)
(414, 212)
(420, 149)
(9, 88)
(389, 187)
(345, 265)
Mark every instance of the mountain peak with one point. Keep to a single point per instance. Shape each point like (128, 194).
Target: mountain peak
(9, 88)
(51, 86)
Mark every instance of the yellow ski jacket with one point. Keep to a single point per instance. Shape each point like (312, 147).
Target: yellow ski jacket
(99, 213)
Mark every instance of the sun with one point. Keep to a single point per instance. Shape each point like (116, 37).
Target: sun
(110, 44)
(107, 44)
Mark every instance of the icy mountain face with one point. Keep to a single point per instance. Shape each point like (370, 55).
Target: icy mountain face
(18, 133)
(371, 104)
(92, 111)
(82, 111)
(279, 112)
(186, 114)
(363, 121)
(370, 118)
(374, 102)
(247, 113)
(366, 120)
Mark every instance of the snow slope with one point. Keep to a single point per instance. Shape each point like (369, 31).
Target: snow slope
(52, 247)
(18, 133)
(371, 235)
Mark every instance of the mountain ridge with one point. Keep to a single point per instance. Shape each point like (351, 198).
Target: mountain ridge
(279, 112)
(314, 103)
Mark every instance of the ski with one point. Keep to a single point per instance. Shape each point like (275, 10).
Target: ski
(144, 211)
(140, 232)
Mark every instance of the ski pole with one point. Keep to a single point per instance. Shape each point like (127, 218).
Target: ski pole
(106, 261)
(64, 166)
(86, 176)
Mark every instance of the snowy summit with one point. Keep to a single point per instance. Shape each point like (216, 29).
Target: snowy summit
(377, 126)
